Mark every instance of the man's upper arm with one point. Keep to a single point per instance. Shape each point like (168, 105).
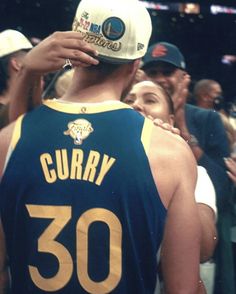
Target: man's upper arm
(181, 243)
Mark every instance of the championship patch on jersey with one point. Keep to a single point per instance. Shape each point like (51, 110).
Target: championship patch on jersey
(79, 130)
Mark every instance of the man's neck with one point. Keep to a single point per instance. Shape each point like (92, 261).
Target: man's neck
(93, 89)
(92, 94)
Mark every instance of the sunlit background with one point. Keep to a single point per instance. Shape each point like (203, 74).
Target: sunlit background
(205, 31)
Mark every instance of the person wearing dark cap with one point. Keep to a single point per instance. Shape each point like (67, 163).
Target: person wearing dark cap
(165, 52)
(165, 65)
(206, 136)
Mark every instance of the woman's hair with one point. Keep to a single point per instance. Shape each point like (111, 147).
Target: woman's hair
(168, 99)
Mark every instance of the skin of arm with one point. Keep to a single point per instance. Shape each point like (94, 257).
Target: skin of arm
(48, 56)
(180, 253)
(217, 174)
(206, 214)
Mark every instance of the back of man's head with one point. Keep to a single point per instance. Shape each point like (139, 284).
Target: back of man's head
(118, 30)
(208, 94)
(203, 87)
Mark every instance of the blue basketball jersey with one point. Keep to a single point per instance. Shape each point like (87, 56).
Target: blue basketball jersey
(79, 206)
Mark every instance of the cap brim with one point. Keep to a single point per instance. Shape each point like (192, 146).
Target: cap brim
(153, 62)
(113, 60)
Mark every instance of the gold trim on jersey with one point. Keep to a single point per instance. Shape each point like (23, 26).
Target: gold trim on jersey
(78, 108)
(14, 139)
(146, 134)
(16, 133)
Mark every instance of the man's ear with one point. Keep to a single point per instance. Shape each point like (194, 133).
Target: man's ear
(136, 65)
(133, 67)
(15, 64)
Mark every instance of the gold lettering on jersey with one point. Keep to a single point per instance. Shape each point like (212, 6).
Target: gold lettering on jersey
(106, 165)
(90, 169)
(76, 164)
(60, 166)
(49, 174)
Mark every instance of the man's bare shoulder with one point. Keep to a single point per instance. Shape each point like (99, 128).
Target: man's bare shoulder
(168, 144)
(172, 163)
(5, 140)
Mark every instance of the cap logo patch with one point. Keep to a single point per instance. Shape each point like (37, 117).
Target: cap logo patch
(86, 25)
(82, 23)
(85, 15)
(113, 28)
(94, 28)
(140, 46)
(91, 33)
(159, 50)
(79, 130)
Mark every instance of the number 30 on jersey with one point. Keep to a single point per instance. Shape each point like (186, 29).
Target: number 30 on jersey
(61, 215)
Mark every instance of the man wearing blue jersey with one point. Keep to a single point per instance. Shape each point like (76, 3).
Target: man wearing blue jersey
(90, 188)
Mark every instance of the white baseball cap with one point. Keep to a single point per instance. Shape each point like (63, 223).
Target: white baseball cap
(118, 29)
(12, 41)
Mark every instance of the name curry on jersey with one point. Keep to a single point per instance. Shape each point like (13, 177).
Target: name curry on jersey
(64, 164)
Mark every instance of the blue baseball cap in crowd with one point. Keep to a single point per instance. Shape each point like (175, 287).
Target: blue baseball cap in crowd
(164, 52)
